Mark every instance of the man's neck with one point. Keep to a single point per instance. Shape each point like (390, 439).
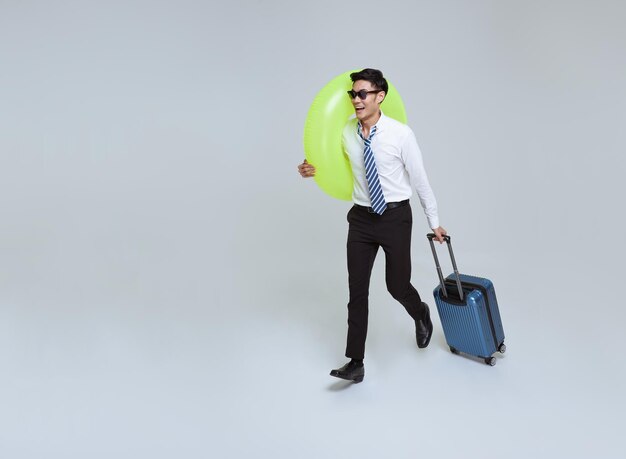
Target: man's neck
(367, 124)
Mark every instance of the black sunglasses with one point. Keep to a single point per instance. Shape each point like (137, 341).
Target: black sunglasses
(362, 93)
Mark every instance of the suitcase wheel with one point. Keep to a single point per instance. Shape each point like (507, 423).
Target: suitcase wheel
(502, 348)
(491, 361)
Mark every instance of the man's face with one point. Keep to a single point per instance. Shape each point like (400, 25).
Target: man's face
(368, 108)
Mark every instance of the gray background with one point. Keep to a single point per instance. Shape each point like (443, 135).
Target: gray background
(170, 286)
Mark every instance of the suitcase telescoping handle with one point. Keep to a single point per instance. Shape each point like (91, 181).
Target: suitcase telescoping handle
(430, 237)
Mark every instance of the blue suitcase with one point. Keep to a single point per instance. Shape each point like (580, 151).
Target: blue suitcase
(469, 313)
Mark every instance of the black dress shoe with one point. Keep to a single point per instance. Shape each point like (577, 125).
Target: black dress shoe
(424, 329)
(351, 371)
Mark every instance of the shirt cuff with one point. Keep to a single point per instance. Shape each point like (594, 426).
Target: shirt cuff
(433, 222)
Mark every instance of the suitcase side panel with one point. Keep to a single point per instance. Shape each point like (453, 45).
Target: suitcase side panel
(492, 300)
(466, 327)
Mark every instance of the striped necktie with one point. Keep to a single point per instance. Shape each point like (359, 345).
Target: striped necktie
(377, 197)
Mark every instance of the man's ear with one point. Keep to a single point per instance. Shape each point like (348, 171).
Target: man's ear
(380, 97)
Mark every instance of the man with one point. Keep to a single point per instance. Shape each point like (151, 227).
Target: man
(387, 165)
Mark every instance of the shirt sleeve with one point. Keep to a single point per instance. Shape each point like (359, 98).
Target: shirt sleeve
(414, 165)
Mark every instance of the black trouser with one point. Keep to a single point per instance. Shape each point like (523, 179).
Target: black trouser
(367, 232)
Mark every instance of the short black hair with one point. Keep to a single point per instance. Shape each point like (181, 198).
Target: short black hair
(374, 76)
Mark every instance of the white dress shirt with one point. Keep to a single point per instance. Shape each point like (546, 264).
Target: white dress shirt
(398, 161)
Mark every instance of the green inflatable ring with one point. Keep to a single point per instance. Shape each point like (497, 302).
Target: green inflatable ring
(324, 124)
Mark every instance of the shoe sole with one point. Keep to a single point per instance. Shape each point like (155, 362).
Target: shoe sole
(356, 379)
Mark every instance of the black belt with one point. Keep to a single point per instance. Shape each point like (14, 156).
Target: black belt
(390, 205)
